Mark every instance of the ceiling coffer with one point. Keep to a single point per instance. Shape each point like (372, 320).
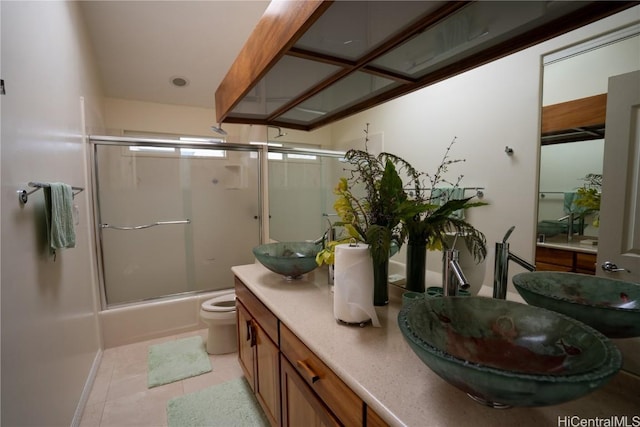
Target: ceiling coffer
(310, 63)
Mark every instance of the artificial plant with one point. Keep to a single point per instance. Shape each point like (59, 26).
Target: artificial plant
(430, 221)
(589, 196)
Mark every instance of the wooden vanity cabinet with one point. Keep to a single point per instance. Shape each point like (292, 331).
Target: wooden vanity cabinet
(258, 353)
(293, 386)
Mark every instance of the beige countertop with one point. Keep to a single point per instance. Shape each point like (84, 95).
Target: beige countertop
(380, 367)
(578, 244)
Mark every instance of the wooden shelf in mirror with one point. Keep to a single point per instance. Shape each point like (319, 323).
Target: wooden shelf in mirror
(576, 120)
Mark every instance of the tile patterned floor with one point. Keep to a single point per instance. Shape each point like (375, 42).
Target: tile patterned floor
(120, 396)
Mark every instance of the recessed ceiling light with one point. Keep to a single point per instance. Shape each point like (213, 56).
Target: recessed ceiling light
(179, 81)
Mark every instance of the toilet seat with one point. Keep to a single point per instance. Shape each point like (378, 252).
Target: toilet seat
(221, 304)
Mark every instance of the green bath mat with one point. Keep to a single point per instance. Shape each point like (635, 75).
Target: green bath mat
(177, 360)
(231, 404)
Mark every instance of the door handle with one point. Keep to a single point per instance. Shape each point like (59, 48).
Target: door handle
(611, 267)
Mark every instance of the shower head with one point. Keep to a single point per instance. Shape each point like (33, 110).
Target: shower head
(219, 129)
(280, 133)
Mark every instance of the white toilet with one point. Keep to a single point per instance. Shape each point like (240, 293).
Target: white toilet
(219, 314)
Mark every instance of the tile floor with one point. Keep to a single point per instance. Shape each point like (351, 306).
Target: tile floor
(120, 396)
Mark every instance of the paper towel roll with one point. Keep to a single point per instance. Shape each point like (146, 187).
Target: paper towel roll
(353, 285)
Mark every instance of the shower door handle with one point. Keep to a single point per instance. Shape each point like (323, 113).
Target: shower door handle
(141, 227)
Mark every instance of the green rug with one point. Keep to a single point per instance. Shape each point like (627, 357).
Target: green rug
(177, 360)
(231, 404)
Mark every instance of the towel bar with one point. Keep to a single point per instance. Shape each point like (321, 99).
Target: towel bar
(23, 195)
(141, 227)
(479, 190)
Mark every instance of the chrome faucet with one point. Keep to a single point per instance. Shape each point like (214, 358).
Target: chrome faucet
(453, 278)
(327, 237)
(501, 270)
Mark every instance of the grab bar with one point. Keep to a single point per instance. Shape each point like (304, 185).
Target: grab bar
(141, 227)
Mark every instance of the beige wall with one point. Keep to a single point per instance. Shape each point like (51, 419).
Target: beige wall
(50, 335)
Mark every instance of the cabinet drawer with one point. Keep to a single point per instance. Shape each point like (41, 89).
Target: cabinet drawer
(554, 256)
(585, 262)
(338, 397)
(267, 321)
(543, 266)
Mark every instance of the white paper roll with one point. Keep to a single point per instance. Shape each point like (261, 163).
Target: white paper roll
(353, 285)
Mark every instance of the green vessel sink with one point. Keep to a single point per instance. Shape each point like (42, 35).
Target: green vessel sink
(610, 306)
(504, 353)
(290, 259)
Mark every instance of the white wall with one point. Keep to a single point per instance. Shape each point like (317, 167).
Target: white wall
(590, 71)
(50, 335)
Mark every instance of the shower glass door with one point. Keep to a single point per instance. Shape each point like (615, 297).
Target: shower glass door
(173, 219)
(301, 195)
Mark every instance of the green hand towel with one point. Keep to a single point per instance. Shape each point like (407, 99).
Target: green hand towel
(58, 201)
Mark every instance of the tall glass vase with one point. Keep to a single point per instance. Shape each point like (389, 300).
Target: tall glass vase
(381, 282)
(416, 266)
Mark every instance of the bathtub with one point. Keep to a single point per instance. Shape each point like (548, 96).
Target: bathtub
(153, 319)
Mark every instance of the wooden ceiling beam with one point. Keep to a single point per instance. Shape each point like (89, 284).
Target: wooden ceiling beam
(282, 24)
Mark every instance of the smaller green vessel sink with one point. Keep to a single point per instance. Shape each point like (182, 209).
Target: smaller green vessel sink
(503, 353)
(290, 259)
(608, 305)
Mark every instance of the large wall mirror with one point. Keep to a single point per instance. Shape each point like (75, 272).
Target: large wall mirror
(575, 83)
(572, 146)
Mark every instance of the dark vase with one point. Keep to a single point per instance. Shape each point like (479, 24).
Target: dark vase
(416, 265)
(381, 282)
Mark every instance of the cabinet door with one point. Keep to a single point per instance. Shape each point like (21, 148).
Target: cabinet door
(267, 384)
(586, 263)
(245, 344)
(563, 260)
(335, 394)
(300, 406)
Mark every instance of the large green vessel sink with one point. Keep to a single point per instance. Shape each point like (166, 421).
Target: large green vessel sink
(504, 353)
(290, 259)
(608, 305)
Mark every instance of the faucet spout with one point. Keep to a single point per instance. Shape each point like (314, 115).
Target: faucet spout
(453, 277)
(463, 283)
(523, 263)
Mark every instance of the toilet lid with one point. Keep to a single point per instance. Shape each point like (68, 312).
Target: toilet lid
(223, 303)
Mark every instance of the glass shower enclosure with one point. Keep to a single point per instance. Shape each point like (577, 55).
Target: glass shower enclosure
(301, 185)
(172, 217)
